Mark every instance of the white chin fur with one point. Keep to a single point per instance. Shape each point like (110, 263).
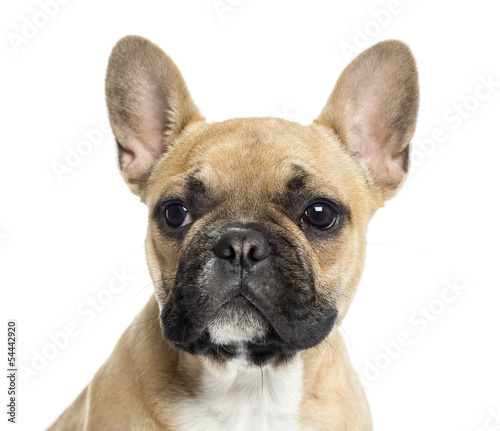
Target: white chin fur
(234, 325)
(228, 333)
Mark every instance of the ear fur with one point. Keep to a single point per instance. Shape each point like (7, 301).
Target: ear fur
(148, 105)
(373, 109)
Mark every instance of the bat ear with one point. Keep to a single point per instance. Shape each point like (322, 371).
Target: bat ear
(148, 105)
(373, 109)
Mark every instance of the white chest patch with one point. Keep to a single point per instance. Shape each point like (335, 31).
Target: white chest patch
(245, 399)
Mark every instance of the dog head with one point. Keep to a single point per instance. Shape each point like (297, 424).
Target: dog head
(257, 226)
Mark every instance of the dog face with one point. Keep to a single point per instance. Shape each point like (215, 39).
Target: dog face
(257, 240)
(257, 226)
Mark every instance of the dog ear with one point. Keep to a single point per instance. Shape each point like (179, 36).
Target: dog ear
(373, 109)
(148, 105)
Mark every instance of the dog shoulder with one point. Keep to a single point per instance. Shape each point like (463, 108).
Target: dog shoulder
(73, 418)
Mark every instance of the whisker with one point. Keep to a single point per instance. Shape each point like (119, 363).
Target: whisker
(185, 327)
(261, 386)
(144, 336)
(144, 321)
(226, 349)
(344, 295)
(155, 344)
(152, 284)
(345, 333)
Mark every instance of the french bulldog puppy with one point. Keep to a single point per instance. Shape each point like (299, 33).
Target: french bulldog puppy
(255, 245)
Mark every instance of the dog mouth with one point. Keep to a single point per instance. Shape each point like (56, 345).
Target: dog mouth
(237, 321)
(240, 330)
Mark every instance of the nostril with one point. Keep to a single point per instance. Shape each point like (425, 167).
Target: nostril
(253, 253)
(226, 249)
(259, 252)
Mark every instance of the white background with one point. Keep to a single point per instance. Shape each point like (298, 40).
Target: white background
(61, 239)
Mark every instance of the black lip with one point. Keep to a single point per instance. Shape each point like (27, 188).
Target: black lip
(272, 348)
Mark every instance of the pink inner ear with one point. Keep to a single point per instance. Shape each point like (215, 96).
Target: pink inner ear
(373, 110)
(148, 104)
(377, 150)
(140, 157)
(381, 161)
(145, 141)
(376, 141)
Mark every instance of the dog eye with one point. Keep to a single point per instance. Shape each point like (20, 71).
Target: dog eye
(177, 215)
(319, 215)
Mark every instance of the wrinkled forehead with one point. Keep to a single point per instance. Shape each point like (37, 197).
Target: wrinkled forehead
(251, 160)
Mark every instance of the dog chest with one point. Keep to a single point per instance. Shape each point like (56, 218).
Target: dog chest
(245, 400)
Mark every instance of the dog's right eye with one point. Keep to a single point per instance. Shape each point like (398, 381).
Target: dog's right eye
(177, 215)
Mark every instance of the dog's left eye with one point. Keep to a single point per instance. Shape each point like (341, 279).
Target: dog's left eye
(320, 215)
(177, 215)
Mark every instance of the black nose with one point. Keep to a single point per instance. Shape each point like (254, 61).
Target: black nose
(244, 247)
